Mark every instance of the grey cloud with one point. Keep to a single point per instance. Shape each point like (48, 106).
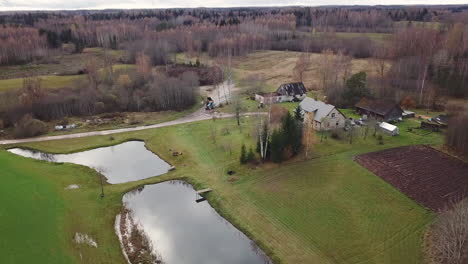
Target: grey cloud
(101, 4)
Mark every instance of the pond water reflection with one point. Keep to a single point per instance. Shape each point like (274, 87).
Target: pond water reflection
(129, 161)
(183, 231)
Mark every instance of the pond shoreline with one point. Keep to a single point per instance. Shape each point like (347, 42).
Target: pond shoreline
(203, 229)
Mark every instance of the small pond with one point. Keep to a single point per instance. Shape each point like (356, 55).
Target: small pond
(129, 161)
(183, 231)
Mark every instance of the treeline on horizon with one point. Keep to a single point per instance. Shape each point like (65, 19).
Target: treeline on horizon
(427, 48)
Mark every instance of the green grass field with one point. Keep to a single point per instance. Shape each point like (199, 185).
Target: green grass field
(48, 82)
(324, 210)
(377, 37)
(52, 81)
(32, 213)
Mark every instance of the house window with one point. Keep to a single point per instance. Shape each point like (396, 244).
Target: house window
(337, 124)
(333, 115)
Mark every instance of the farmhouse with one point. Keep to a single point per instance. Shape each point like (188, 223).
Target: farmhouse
(322, 115)
(287, 92)
(382, 110)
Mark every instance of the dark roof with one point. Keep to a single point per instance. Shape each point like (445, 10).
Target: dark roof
(291, 89)
(378, 106)
(441, 119)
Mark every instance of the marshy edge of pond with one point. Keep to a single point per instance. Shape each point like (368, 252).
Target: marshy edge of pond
(216, 204)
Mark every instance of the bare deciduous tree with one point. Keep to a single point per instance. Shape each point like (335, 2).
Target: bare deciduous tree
(449, 235)
(143, 65)
(302, 64)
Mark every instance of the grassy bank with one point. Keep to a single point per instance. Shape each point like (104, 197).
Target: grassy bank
(324, 210)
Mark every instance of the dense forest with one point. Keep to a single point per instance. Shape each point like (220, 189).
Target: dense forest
(427, 45)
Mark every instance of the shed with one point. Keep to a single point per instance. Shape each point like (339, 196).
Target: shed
(408, 114)
(389, 129)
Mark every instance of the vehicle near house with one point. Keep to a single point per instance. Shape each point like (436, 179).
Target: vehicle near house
(322, 116)
(209, 104)
(65, 127)
(436, 123)
(389, 129)
(287, 92)
(380, 109)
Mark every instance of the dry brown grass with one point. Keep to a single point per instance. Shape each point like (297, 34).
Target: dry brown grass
(277, 67)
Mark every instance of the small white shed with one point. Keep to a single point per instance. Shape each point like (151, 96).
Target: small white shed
(389, 129)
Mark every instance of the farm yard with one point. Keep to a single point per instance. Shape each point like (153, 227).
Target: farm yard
(430, 177)
(295, 211)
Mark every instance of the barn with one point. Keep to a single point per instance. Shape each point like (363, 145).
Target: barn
(380, 109)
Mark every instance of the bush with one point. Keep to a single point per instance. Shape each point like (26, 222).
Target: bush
(63, 122)
(134, 120)
(335, 135)
(29, 127)
(250, 156)
(380, 139)
(99, 107)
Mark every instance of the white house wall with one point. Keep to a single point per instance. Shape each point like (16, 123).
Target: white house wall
(332, 121)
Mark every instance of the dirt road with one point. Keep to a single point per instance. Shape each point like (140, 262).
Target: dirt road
(199, 115)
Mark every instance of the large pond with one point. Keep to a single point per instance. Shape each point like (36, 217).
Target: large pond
(183, 231)
(129, 161)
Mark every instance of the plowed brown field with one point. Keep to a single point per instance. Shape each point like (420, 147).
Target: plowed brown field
(428, 176)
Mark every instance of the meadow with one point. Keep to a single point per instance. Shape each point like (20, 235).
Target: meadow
(327, 209)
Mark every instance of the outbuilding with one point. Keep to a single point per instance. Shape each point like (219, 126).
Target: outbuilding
(287, 92)
(389, 129)
(380, 109)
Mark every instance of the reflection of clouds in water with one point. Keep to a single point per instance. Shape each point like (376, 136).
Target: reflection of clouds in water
(125, 162)
(187, 232)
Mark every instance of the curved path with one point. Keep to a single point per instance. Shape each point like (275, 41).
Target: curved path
(199, 115)
(194, 117)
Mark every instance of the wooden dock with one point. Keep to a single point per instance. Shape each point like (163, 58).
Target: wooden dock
(207, 190)
(198, 197)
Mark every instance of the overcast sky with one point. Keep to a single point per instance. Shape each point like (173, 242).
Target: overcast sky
(102, 4)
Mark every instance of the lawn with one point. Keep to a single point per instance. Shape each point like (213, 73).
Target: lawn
(325, 210)
(31, 214)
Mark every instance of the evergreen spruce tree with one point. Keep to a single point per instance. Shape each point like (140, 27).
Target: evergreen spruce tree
(250, 155)
(298, 115)
(243, 157)
(277, 146)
